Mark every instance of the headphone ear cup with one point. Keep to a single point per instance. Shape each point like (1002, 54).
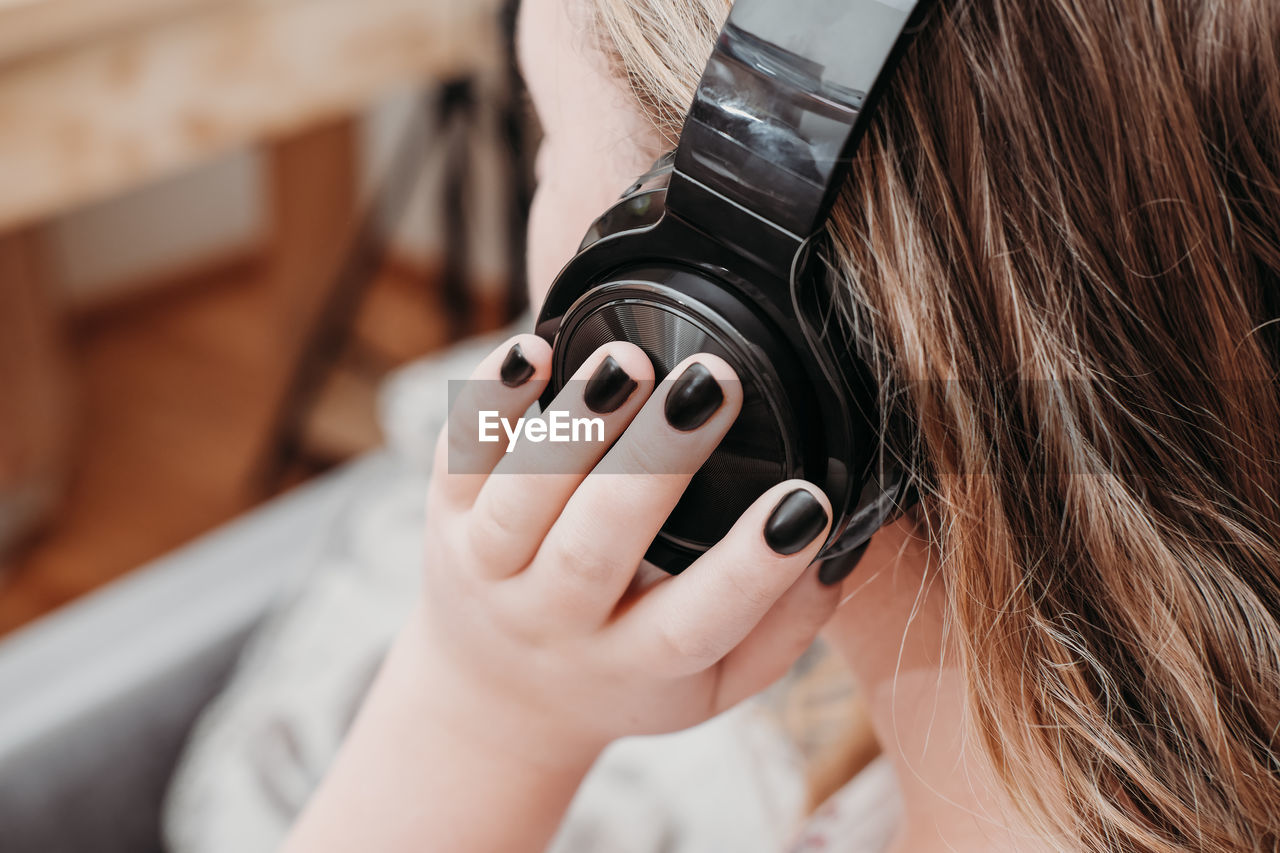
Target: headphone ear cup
(672, 315)
(764, 150)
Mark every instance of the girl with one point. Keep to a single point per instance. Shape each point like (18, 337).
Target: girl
(1065, 224)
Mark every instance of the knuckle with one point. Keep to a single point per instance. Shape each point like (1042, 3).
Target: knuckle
(527, 627)
(752, 590)
(799, 638)
(492, 528)
(683, 649)
(641, 457)
(577, 560)
(455, 440)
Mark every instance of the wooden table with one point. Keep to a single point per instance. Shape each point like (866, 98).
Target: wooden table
(98, 96)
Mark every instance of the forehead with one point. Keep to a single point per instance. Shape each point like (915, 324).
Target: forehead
(581, 102)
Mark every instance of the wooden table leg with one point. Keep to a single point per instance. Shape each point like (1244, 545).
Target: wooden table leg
(35, 388)
(314, 187)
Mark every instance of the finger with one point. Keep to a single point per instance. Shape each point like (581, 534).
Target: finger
(506, 383)
(591, 553)
(786, 631)
(530, 485)
(691, 622)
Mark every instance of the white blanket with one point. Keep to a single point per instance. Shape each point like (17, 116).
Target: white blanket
(731, 784)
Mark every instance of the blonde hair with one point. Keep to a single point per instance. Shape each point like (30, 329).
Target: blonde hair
(1061, 238)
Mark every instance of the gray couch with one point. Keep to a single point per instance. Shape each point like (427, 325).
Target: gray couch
(97, 698)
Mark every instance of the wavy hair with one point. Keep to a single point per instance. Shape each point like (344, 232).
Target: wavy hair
(1061, 241)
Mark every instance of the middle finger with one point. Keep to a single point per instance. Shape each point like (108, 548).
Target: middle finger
(591, 553)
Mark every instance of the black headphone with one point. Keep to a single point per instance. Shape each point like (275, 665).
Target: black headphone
(711, 252)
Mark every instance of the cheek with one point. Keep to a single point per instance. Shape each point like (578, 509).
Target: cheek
(574, 191)
(551, 243)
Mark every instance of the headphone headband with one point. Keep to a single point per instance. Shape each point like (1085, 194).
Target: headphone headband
(782, 105)
(706, 254)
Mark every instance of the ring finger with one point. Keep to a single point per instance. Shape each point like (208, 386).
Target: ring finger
(530, 484)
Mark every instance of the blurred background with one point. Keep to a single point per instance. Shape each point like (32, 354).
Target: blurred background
(222, 222)
(244, 245)
(240, 242)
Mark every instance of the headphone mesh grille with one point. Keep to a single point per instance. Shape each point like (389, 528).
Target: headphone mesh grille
(747, 462)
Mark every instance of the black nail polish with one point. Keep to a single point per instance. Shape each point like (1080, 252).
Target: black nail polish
(608, 388)
(837, 568)
(693, 398)
(516, 369)
(794, 523)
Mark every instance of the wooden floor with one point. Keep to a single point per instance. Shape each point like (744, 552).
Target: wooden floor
(176, 394)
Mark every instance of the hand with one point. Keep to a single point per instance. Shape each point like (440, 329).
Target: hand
(540, 631)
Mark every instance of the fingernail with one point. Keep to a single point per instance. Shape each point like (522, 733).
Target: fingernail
(795, 522)
(693, 398)
(608, 388)
(516, 369)
(836, 569)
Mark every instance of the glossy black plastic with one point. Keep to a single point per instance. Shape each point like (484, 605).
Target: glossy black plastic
(710, 252)
(782, 105)
(814, 408)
